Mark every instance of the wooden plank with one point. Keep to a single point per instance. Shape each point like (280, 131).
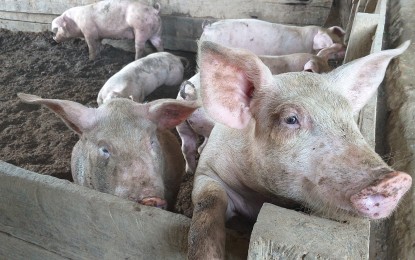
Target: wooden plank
(301, 12)
(13, 248)
(44, 213)
(80, 223)
(281, 233)
(360, 42)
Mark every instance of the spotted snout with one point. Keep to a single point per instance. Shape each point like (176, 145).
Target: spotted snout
(380, 199)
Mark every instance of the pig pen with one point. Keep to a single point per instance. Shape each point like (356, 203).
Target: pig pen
(46, 218)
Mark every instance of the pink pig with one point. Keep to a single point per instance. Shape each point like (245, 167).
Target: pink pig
(265, 38)
(286, 139)
(125, 148)
(119, 19)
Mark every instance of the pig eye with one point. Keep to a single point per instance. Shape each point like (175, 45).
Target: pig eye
(291, 120)
(104, 152)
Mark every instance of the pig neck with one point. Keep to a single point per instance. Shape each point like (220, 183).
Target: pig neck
(236, 167)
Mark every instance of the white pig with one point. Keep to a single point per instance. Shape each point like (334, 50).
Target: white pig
(141, 77)
(113, 19)
(265, 38)
(125, 148)
(199, 124)
(286, 139)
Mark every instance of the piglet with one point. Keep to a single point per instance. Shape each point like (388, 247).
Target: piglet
(287, 139)
(141, 77)
(265, 38)
(125, 148)
(121, 19)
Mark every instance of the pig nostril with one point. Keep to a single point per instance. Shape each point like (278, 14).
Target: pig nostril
(154, 202)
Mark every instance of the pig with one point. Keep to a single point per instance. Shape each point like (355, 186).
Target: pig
(265, 38)
(302, 61)
(199, 124)
(113, 19)
(141, 77)
(125, 148)
(287, 139)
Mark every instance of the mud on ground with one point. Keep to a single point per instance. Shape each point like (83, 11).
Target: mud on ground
(33, 137)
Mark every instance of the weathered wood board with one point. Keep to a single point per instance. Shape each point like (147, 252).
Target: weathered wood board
(48, 218)
(366, 37)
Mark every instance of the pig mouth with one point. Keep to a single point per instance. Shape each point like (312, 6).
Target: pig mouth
(381, 198)
(154, 202)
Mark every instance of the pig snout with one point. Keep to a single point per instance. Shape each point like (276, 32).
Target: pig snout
(379, 199)
(154, 202)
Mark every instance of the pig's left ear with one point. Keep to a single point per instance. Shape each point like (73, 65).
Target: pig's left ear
(358, 80)
(228, 78)
(168, 113)
(322, 40)
(337, 30)
(76, 116)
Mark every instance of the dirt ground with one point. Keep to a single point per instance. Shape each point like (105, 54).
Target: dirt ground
(31, 136)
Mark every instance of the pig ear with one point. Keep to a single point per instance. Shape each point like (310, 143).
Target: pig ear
(76, 116)
(168, 113)
(359, 79)
(311, 66)
(228, 79)
(337, 30)
(322, 40)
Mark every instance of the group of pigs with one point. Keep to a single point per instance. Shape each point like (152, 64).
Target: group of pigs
(273, 131)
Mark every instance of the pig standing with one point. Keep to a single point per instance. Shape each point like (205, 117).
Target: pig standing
(199, 124)
(113, 19)
(286, 139)
(125, 148)
(141, 77)
(264, 38)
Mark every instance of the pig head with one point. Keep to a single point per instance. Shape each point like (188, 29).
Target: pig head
(286, 139)
(125, 148)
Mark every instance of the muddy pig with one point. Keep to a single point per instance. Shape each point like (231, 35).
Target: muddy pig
(286, 139)
(199, 124)
(125, 148)
(119, 19)
(141, 77)
(265, 38)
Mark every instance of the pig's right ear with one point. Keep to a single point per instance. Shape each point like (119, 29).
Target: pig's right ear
(229, 78)
(76, 116)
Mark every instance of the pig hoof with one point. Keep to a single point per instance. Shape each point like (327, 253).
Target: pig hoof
(154, 202)
(380, 198)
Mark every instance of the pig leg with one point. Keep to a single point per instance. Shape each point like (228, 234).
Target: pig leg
(207, 229)
(157, 42)
(93, 46)
(139, 42)
(189, 145)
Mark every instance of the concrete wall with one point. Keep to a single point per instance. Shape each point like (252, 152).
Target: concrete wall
(401, 126)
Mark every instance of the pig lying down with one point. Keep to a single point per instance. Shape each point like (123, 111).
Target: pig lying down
(286, 139)
(125, 148)
(141, 77)
(199, 124)
(112, 19)
(265, 38)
